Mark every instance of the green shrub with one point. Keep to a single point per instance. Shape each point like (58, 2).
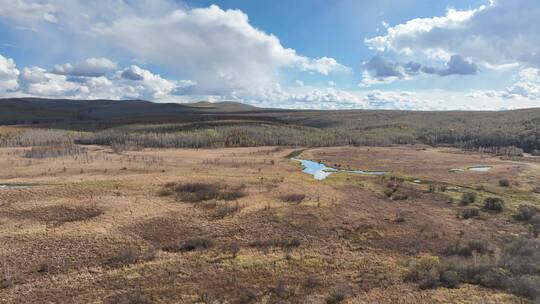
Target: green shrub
(526, 286)
(494, 204)
(526, 212)
(450, 279)
(504, 183)
(468, 213)
(516, 269)
(468, 198)
(466, 250)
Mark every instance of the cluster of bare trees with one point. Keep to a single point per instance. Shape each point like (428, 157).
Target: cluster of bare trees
(509, 137)
(37, 137)
(231, 136)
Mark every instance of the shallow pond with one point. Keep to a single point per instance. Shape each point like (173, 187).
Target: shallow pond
(479, 168)
(13, 186)
(320, 171)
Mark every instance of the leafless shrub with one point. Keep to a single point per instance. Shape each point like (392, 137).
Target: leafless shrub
(38, 137)
(127, 256)
(189, 245)
(234, 248)
(54, 151)
(294, 198)
(199, 192)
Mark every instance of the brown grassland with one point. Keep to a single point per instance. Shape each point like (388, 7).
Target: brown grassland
(245, 225)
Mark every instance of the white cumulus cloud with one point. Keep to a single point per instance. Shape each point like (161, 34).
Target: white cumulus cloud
(324, 65)
(8, 74)
(526, 86)
(27, 12)
(220, 49)
(500, 32)
(91, 67)
(88, 82)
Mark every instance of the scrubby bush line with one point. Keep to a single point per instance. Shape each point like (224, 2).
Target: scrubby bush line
(515, 267)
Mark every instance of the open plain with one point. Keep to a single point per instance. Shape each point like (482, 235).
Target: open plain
(245, 225)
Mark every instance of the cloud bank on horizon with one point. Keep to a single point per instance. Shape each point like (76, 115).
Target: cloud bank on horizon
(483, 57)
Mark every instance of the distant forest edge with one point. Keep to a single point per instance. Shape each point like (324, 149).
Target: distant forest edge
(138, 124)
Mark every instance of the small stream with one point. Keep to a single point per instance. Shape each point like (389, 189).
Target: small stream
(320, 171)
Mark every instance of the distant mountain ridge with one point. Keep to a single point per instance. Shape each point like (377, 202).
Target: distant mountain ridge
(466, 129)
(40, 110)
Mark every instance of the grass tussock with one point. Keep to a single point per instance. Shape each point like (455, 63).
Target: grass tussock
(200, 192)
(59, 215)
(128, 298)
(337, 295)
(222, 211)
(283, 243)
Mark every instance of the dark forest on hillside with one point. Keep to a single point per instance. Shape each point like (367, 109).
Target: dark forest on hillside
(137, 124)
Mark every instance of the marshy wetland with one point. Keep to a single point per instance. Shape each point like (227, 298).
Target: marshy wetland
(246, 225)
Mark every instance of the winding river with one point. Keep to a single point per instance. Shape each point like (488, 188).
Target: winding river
(320, 171)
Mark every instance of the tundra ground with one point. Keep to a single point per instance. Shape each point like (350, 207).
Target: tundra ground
(104, 226)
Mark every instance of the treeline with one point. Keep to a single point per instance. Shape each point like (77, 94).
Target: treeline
(490, 140)
(37, 137)
(229, 136)
(509, 137)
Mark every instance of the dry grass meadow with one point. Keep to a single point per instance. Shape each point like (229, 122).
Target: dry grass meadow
(245, 225)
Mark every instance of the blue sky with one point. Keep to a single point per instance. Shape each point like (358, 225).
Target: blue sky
(410, 54)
